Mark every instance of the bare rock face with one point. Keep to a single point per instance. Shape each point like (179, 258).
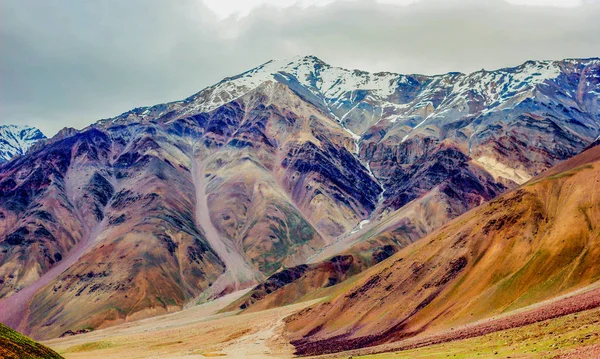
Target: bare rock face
(290, 163)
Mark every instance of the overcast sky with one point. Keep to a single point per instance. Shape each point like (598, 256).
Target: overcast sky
(72, 62)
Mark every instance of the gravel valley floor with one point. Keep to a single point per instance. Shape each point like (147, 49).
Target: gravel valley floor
(198, 332)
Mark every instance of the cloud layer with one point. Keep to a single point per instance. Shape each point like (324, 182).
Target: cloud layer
(72, 62)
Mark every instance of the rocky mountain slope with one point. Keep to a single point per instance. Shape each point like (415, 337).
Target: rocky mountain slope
(310, 281)
(534, 243)
(291, 162)
(16, 140)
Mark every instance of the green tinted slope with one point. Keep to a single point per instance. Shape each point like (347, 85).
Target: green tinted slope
(17, 346)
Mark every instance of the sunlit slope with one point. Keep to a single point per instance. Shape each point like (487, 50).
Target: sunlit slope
(531, 244)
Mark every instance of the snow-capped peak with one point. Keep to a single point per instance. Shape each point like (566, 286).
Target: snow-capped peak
(309, 71)
(17, 139)
(334, 83)
(359, 99)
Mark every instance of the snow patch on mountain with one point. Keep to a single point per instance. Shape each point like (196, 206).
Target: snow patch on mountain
(16, 140)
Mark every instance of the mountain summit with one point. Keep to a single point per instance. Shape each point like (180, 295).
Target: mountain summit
(16, 140)
(289, 163)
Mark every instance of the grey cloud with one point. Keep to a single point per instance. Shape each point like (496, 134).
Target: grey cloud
(72, 62)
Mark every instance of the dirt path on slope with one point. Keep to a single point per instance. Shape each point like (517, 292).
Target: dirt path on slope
(267, 342)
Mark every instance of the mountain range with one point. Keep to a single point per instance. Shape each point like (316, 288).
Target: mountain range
(293, 164)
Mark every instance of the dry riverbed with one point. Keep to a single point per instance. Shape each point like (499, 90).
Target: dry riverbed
(197, 332)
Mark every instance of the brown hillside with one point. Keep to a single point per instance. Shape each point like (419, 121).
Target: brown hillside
(532, 244)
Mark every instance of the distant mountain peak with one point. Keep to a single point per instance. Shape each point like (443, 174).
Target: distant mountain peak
(16, 140)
